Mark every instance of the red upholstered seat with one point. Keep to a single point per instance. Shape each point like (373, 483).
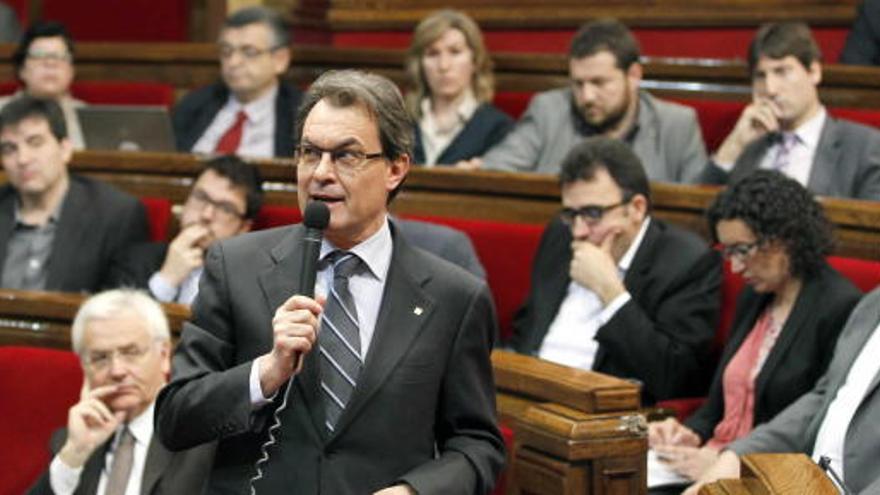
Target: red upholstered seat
(38, 386)
(275, 216)
(114, 92)
(131, 20)
(158, 216)
(513, 103)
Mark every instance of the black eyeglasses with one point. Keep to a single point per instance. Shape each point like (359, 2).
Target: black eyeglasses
(225, 210)
(741, 251)
(247, 51)
(590, 214)
(346, 161)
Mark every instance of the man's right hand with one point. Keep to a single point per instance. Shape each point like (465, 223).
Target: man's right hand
(759, 118)
(294, 333)
(671, 432)
(89, 424)
(185, 254)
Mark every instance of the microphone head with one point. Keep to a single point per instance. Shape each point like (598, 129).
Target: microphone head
(317, 215)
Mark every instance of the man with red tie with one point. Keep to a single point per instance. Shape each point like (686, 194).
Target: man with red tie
(250, 112)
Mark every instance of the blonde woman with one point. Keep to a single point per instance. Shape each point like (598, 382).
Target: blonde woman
(453, 88)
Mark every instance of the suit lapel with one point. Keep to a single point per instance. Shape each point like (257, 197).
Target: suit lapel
(158, 459)
(7, 222)
(72, 227)
(91, 475)
(279, 282)
(405, 308)
(826, 159)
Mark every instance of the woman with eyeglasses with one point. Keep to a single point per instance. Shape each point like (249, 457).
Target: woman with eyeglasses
(775, 236)
(453, 85)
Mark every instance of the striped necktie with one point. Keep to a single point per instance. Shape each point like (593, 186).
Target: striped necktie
(339, 340)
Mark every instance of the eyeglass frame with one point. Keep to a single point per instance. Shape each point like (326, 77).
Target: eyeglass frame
(334, 158)
(130, 354)
(591, 214)
(202, 199)
(48, 56)
(248, 52)
(740, 250)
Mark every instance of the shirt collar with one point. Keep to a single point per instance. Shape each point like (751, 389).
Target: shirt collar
(810, 131)
(465, 109)
(375, 251)
(53, 217)
(627, 258)
(141, 427)
(258, 109)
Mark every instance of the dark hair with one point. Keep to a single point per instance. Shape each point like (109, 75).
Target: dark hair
(40, 29)
(261, 15)
(377, 95)
(782, 39)
(606, 35)
(613, 155)
(26, 107)
(240, 174)
(777, 208)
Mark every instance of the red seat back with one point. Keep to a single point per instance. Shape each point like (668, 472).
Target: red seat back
(513, 103)
(38, 386)
(112, 20)
(158, 217)
(114, 92)
(275, 216)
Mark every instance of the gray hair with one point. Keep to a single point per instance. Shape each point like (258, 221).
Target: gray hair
(377, 94)
(261, 15)
(115, 303)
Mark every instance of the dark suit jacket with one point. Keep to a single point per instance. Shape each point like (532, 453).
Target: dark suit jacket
(846, 164)
(863, 43)
(165, 472)
(426, 383)
(97, 222)
(662, 336)
(486, 127)
(795, 429)
(801, 352)
(197, 110)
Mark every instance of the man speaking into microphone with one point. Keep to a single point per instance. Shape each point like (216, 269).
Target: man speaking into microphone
(390, 382)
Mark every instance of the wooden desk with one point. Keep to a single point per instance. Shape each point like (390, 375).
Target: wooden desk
(775, 474)
(506, 197)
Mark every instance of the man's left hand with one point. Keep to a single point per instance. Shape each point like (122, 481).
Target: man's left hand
(594, 268)
(397, 490)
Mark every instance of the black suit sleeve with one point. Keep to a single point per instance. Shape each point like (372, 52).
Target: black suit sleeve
(666, 349)
(863, 43)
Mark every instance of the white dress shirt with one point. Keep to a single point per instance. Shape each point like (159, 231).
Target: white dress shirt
(435, 139)
(571, 337)
(832, 431)
(163, 291)
(801, 156)
(63, 479)
(366, 289)
(258, 135)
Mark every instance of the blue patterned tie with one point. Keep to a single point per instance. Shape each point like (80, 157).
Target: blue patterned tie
(339, 340)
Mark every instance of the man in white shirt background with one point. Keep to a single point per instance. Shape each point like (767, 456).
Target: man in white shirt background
(108, 448)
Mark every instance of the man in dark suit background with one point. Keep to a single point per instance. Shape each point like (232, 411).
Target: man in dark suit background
(395, 395)
(615, 290)
(787, 128)
(250, 112)
(223, 202)
(58, 231)
(108, 447)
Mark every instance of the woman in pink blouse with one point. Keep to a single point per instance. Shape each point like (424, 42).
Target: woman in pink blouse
(776, 236)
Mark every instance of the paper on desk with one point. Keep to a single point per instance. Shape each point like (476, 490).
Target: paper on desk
(660, 474)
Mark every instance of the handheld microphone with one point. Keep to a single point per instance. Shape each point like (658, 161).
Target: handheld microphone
(315, 219)
(825, 464)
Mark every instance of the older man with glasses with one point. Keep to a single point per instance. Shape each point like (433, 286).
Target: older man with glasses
(108, 447)
(616, 291)
(250, 112)
(223, 202)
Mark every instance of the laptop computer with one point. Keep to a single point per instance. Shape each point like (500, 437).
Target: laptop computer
(126, 127)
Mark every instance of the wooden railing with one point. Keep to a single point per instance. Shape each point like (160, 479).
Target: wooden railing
(506, 197)
(188, 65)
(775, 474)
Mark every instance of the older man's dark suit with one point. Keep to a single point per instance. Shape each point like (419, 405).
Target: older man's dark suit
(192, 116)
(426, 382)
(846, 164)
(165, 472)
(97, 222)
(800, 355)
(662, 336)
(795, 429)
